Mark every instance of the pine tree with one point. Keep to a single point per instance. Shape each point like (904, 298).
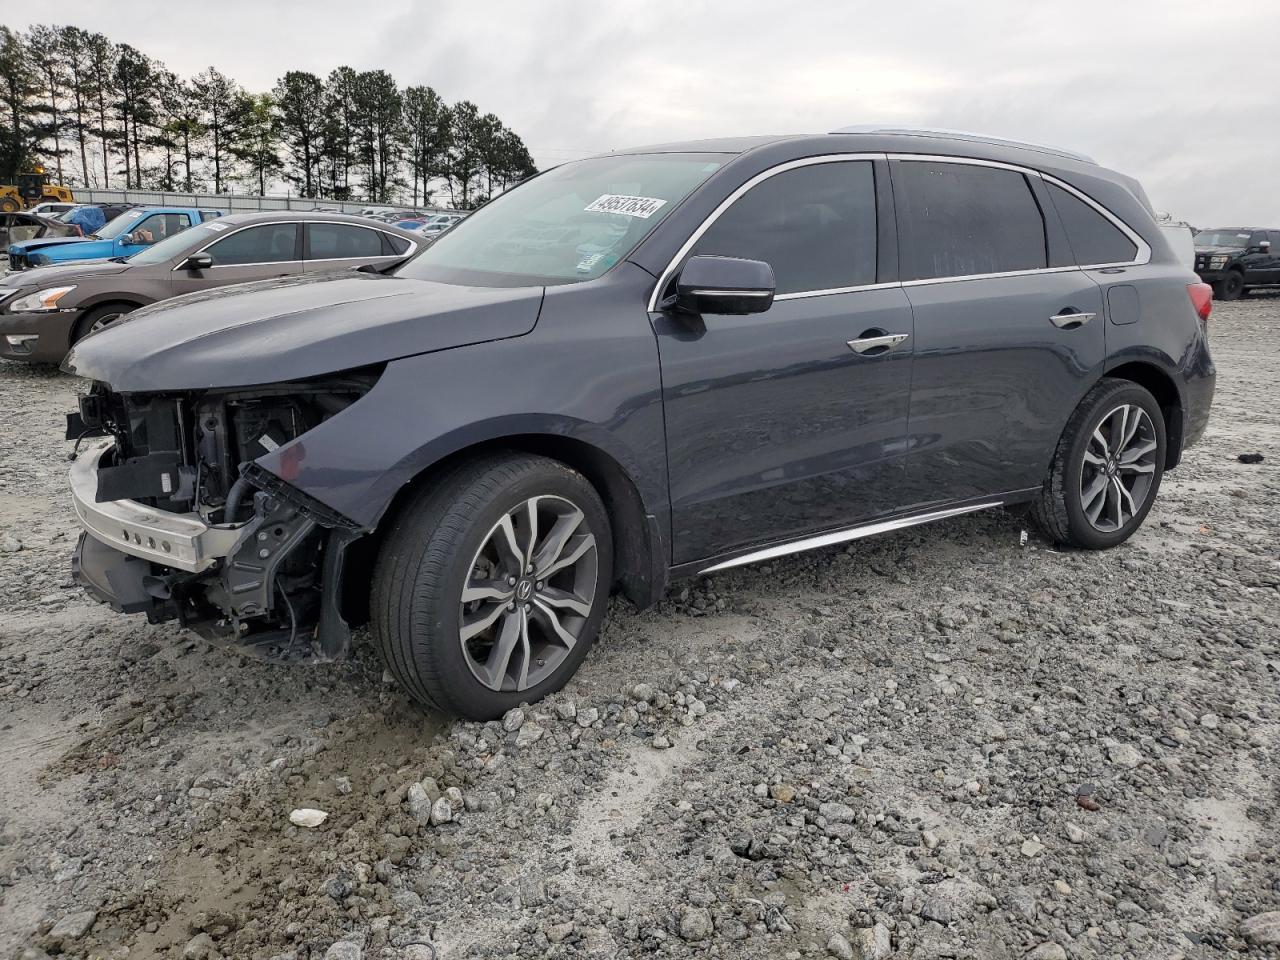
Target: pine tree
(427, 135)
(19, 88)
(300, 115)
(217, 95)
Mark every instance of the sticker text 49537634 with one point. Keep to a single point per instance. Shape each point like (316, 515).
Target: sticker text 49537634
(642, 207)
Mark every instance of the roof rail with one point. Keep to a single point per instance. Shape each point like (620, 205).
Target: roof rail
(963, 135)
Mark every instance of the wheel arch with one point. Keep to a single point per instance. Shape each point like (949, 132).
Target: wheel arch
(639, 567)
(1161, 385)
(91, 306)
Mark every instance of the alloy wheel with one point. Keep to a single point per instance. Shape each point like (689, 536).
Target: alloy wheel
(103, 321)
(1118, 468)
(528, 594)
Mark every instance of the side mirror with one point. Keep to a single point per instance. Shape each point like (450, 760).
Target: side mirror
(198, 261)
(1264, 246)
(127, 239)
(725, 285)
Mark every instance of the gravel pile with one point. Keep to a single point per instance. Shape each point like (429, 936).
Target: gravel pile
(940, 743)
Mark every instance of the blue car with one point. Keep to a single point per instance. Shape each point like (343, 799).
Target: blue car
(124, 236)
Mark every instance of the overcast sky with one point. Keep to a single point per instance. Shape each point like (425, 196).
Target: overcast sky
(1185, 99)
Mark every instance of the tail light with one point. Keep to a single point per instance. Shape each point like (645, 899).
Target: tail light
(1201, 295)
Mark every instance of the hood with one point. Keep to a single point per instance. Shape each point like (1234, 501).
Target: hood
(28, 245)
(292, 328)
(57, 275)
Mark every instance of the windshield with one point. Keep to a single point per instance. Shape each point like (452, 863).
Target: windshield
(176, 244)
(1222, 238)
(571, 223)
(121, 224)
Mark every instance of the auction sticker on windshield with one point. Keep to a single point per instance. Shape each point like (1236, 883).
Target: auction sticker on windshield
(642, 207)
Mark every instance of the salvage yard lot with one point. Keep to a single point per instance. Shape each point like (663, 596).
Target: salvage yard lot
(942, 740)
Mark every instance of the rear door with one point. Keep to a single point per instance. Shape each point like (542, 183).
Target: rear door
(776, 425)
(1008, 336)
(257, 252)
(333, 246)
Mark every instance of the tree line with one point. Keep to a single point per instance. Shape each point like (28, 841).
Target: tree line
(96, 113)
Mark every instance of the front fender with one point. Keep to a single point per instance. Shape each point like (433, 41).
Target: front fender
(429, 407)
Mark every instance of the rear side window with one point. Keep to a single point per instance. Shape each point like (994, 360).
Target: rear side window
(815, 225)
(269, 243)
(394, 245)
(1094, 239)
(960, 220)
(335, 241)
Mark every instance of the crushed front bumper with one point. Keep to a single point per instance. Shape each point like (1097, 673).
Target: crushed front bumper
(179, 540)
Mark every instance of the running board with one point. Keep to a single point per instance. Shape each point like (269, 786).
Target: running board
(843, 536)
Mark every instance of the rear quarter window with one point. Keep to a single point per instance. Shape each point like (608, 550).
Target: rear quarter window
(1094, 239)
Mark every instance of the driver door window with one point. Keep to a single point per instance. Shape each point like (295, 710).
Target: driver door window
(157, 227)
(254, 253)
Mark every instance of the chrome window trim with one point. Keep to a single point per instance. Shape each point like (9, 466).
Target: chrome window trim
(1142, 257)
(833, 291)
(413, 245)
(665, 277)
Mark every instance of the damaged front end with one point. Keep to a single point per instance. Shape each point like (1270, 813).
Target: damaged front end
(181, 523)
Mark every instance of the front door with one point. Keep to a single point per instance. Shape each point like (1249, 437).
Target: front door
(251, 253)
(776, 426)
(151, 229)
(1005, 347)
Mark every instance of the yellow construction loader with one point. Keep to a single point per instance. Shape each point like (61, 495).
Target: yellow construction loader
(33, 188)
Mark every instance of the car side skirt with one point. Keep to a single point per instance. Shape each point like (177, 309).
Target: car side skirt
(846, 534)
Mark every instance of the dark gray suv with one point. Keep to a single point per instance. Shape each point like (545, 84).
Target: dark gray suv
(651, 364)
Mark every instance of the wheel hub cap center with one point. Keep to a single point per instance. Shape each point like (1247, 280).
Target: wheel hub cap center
(524, 590)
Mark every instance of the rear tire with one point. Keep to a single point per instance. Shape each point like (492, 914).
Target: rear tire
(1106, 470)
(518, 634)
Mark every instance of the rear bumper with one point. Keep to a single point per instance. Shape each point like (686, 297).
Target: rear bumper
(37, 337)
(179, 540)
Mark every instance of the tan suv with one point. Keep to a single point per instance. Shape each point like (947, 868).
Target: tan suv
(44, 311)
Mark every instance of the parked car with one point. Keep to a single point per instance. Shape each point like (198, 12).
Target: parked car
(50, 208)
(17, 227)
(1235, 260)
(1181, 238)
(132, 231)
(761, 346)
(440, 223)
(45, 311)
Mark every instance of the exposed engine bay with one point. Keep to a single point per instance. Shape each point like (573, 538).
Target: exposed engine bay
(266, 570)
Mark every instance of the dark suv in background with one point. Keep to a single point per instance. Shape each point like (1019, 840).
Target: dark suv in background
(656, 363)
(1234, 260)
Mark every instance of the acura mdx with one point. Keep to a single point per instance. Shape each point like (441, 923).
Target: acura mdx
(651, 364)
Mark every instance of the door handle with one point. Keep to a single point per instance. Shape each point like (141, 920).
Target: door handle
(1070, 319)
(887, 341)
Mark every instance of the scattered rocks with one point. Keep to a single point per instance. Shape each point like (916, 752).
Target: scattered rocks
(1262, 929)
(840, 948)
(307, 817)
(1048, 951)
(73, 926)
(695, 924)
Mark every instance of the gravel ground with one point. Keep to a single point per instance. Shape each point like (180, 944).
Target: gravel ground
(940, 743)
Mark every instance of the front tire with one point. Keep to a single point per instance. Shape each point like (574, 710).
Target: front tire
(99, 319)
(492, 583)
(1106, 469)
